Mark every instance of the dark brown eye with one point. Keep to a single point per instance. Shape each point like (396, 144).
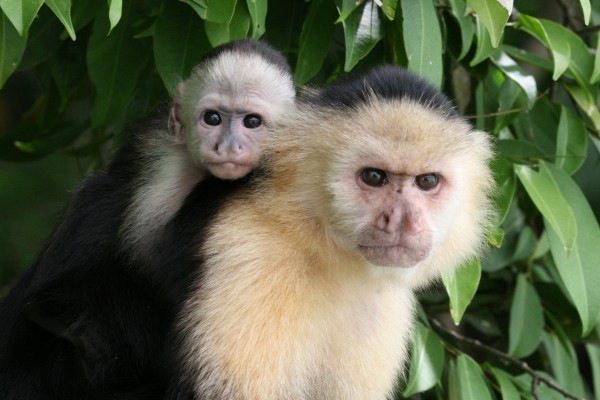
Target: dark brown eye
(427, 182)
(211, 118)
(373, 177)
(252, 121)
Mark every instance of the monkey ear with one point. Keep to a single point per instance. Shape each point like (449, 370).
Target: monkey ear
(175, 124)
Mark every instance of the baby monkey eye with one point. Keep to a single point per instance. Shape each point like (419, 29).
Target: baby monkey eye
(373, 177)
(212, 118)
(427, 182)
(252, 121)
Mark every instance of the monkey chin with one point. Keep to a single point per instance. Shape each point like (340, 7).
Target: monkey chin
(393, 256)
(229, 170)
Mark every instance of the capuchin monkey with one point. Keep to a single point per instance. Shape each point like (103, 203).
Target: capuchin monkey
(306, 276)
(88, 319)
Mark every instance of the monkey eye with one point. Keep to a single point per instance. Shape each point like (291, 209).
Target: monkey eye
(427, 182)
(373, 177)
(212, 118)
(252, 121)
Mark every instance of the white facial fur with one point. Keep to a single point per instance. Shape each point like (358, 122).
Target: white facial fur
(236, 86)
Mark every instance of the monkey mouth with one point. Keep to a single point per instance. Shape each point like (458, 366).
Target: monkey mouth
(394, 255)
(229, 169)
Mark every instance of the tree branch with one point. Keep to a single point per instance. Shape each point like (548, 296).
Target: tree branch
(536, 378)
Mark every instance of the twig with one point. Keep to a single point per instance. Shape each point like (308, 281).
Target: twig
(536, 378)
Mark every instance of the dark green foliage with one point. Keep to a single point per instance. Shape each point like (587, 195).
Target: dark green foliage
(74, 74)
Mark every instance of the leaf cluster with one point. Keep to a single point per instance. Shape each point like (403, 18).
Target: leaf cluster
(527, 313)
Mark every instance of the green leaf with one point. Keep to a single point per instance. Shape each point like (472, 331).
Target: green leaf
(345, 8)
(466, 25)
(317, 31)
(471, 382)
(461, 285)
(528, 57)
(11, 49)
(362, 31)
(513, 71)
(422, 39)
(494, 14)
(586, 7)
(596, 71)
(237, 28)
(179, 42)
(526, 320)
(579, 269)
(258, 13)
(564, 364)
(550, 201)
(220, 11)
(508, 390)
(568, 50)
(586, 102)
(426, 361)
(62, 10)
(571, 141)
(594, 355)
(114, 65)
(519, 150)
(506, 186)
(484, 44)
(389, 8)
(115, 10)
(21, 13)
(511, 97)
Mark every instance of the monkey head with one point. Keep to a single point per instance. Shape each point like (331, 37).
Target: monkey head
(228, 105)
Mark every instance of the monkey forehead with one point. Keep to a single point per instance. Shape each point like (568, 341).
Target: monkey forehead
(235, 73)
(402, 135)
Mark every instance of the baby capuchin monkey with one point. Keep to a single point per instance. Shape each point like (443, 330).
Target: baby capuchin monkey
(306, 279)
(89, 318)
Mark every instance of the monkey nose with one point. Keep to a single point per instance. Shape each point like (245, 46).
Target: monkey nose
(389, 221)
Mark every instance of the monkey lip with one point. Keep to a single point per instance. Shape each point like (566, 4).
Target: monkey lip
(397, 255)
(229, 169)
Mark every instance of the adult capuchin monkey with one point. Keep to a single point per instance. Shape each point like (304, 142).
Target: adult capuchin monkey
(88, 319)
(306, 275)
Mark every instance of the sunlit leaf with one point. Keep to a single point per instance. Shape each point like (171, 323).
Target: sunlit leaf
(179, 42)
(62, 10)
(571, 141)
(461, 285)
(578, 268)
(550, 201)
(568, 50)
(494, 14)
(362, 31)
(422, 39)
(511, 97)
(315, 38)
(586, 7)
(114, 12)
(21, 13)
(10, 55)
(258, 13)
(586, 102)
(517, 74)
(426, 361)
(471, 382)
(526, 320)
(596, 71)
(220, 11)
